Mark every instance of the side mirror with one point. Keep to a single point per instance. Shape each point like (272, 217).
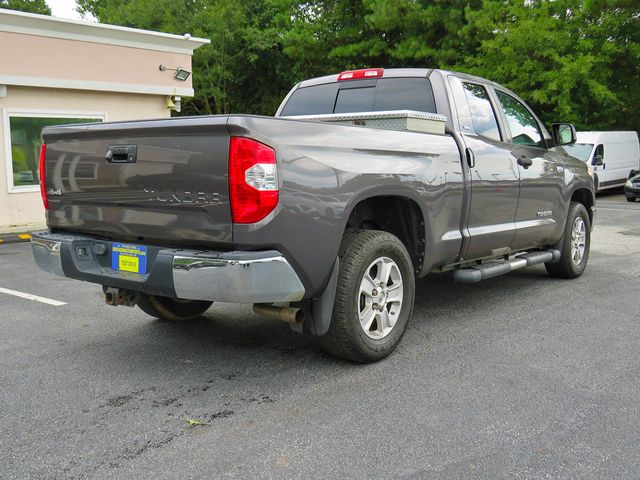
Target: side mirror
(563, 133)
(597, 160)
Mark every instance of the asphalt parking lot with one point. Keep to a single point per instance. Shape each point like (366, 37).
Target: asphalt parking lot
(522, 376)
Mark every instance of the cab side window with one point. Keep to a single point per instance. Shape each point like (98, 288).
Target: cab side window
(523, 125)
(482, 114)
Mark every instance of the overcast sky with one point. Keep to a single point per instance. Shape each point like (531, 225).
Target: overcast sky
(65, 9)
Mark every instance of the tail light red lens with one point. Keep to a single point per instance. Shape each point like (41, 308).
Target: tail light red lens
(42, 173)
(253, 180)
(360, 74)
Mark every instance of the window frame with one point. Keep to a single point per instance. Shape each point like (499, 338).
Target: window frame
(8, 113)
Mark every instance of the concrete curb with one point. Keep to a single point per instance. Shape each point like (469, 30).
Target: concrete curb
(14, 238)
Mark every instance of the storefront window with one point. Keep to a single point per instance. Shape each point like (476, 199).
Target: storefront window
(25, 145)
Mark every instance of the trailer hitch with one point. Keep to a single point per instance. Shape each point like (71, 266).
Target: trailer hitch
(120, 296)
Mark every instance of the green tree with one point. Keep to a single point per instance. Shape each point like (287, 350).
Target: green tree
(572, 60)
(569, 62)
(244, 68)
(339, 34)
(30, 6)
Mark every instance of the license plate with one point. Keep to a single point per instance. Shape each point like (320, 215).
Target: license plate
(129, 258)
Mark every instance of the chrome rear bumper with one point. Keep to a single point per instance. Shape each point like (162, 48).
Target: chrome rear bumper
(247, 278)
(234, 277)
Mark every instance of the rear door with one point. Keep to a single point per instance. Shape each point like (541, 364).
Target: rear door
(161, 181)
(493, 171)
(541, 209)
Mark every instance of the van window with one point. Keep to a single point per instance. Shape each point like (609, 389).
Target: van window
(384, 94)
(581, 151)
(598, 155)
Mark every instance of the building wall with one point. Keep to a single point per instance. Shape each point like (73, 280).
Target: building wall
(25, 208)
(52, 62)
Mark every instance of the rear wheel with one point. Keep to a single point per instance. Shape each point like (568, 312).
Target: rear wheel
(574, 245)
(172, 309)
(374, 297)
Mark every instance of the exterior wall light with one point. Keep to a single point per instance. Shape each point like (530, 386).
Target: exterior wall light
(181, 74)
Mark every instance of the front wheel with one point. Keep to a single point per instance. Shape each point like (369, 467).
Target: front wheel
(374, 297)
(574, 245)
(172, 309)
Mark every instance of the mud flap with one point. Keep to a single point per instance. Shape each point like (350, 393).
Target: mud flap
(322, 308)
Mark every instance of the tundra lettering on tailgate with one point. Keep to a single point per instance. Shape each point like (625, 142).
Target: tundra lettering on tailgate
(169, 196)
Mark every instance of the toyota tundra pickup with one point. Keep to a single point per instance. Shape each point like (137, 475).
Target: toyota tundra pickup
(324, 225)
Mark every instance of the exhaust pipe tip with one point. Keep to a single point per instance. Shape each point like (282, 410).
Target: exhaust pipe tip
(291, 315)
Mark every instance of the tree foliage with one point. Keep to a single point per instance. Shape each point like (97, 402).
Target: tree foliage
(30, 6)
(571, 63)
(243, 70)
(573, 60)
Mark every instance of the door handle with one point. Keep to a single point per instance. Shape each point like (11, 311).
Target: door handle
(525, 161)
(121, 154)
(471, 159)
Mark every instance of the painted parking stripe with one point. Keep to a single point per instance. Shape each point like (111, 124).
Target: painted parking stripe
(35, 298)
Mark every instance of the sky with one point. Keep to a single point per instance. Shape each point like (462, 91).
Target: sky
(65, 9)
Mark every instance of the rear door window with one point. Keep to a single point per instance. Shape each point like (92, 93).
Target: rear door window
(482, 114)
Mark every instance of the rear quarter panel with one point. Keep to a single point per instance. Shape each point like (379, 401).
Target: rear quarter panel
(325, 170)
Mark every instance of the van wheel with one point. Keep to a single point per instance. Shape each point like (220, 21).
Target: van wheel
(172, 309)
(574, 244)
(374, 297)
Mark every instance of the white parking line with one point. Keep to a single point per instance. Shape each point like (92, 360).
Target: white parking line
(35, 298)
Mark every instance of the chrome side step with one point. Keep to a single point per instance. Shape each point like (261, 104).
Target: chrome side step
(487, 270)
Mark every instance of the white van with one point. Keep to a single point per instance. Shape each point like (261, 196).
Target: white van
(611, 154)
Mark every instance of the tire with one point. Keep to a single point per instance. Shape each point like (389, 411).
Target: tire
(631, 199)
(172, 309)
(573, 259)
(381, 255)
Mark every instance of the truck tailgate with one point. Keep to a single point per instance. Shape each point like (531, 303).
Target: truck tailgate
(157, 181)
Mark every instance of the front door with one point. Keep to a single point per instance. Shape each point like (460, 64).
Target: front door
(541, 209)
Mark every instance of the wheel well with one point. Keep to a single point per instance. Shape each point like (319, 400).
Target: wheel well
(585, 197)
(400, 216)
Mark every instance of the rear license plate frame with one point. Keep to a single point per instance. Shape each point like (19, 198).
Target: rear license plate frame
(129, 258)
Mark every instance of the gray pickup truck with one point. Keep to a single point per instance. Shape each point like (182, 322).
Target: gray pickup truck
(323, 225)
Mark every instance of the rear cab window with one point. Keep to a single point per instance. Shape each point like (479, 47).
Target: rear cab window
(396, 93)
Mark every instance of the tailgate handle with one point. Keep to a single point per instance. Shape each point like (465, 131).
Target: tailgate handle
(121, 154)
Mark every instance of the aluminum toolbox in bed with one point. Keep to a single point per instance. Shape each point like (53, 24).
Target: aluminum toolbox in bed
(409, 120)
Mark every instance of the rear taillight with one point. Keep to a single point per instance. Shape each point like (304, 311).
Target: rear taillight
(253, 180)
(360, 74)
(42, 173)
